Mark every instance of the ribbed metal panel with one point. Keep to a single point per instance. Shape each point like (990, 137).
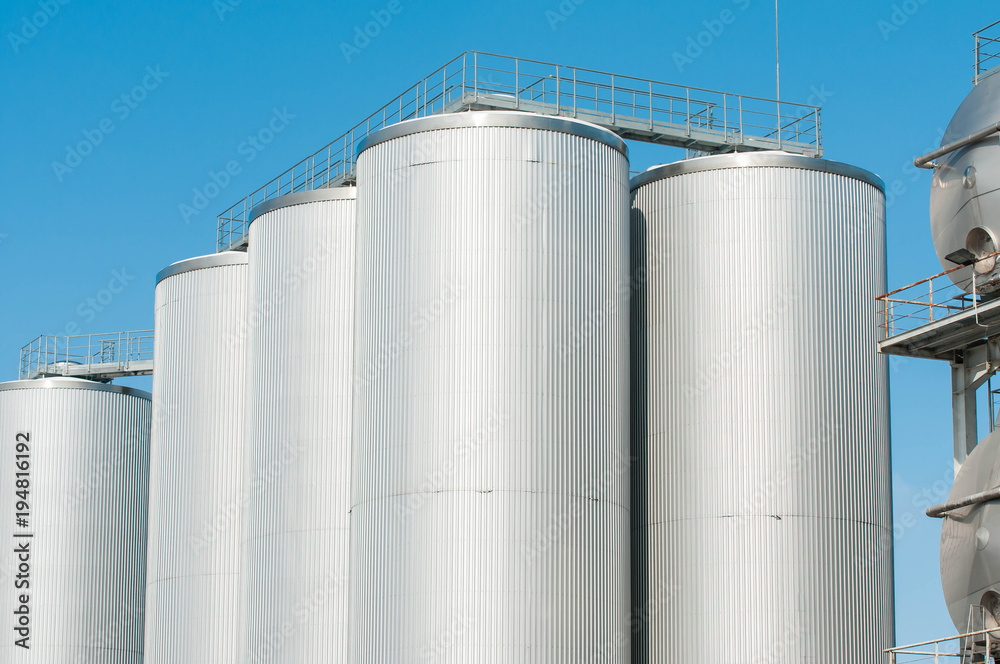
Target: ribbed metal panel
(295, 542)
(490, 490)
(196, 463)
(762, 512)
(89, 472)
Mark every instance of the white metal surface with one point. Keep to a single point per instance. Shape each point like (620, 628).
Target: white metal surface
(490, 490)
(761, 487)
(970, 536)
(196, 462)
(297, 464)
(84, 574)
(965, 192)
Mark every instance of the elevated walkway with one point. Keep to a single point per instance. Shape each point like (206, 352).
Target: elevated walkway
(100, 357)
(704, 121)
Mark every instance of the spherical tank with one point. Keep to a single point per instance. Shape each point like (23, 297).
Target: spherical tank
(970, 540)
(965, 191)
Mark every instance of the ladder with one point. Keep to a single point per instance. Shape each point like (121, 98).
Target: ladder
(980, 648)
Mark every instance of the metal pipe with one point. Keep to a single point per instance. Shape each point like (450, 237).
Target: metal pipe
(926, 161)
(977, 59)
(651, 106)
(940, 511)
(558, 93)
(689, 113)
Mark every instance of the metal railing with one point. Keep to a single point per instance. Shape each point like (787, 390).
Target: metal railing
(976, 646)
(88, 355)
(637, 109)
(987, 49)
(993, 395)
(951, 649)
(929, 300)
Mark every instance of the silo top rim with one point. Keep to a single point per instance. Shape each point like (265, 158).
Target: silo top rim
(202, 262)
(755, 159)
(302, 197)
(60, 383)
(511, 119)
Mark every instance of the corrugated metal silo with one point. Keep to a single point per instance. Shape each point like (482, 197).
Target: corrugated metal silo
(762, 508)
(73, 492)
(295, 542)
(196, 462)
(490, 491)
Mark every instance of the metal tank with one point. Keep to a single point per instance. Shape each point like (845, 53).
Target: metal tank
(762, 514)
(196, 462)
(965, 192)
(970, 539)
(490, 492)
(297, 463)
(73, 494)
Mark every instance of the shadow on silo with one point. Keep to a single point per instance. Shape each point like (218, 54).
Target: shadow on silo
(638, 445)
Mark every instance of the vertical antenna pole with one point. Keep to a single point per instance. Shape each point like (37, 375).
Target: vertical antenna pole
(777, 58)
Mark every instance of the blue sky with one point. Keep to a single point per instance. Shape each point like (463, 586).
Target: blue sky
(889, 74)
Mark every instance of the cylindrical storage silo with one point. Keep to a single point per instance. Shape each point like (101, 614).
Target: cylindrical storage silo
(196, 462)
(299, 328)
(490, 490)
(74, 479)
(762, 510)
